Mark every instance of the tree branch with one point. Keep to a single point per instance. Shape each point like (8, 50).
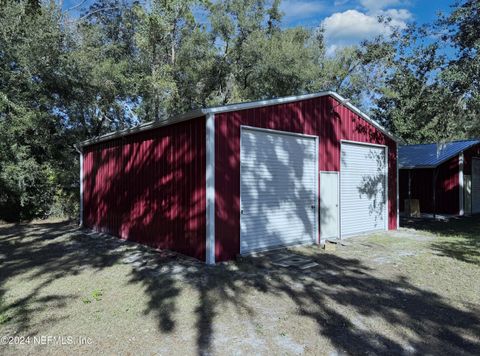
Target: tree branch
(77, 6)
(96, 11)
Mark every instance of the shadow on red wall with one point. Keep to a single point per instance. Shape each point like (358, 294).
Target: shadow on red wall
(322, 117)
(150, 187)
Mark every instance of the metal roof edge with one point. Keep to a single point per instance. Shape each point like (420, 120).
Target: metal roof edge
(416, 167)
(235, 107)
(366, 117)
(289, 99)
(443, 160)
(266, 102)
(436, 143)
(143, 127)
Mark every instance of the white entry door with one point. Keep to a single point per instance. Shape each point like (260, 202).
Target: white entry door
(363, 198)
(475, 185)
(329, 200)
(278, 189)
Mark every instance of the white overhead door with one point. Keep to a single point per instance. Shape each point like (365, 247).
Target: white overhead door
(363, 182)
(278, 189)
(475, 185)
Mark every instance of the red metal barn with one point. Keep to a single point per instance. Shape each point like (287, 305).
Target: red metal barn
(444, 177)
(219, 182)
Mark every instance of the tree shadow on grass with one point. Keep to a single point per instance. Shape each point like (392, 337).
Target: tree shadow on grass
(337, 283)
(43, 253)
(352, 285)
(323, 294)
(460, 236)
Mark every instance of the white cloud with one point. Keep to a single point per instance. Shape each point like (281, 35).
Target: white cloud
(301, 9)
(352, 26)
(374, 5)
(338, 3)
(399, 17)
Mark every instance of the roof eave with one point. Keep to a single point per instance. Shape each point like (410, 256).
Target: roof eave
(143, 127)
(417, 167)
(367, 118)
(237, 107)
(431, 166)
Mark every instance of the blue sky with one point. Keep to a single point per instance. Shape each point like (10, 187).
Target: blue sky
(351, 21)
(347, 21)
(313, 12)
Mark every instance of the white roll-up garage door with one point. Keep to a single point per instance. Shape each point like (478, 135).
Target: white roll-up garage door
(363, 182)
(278, 189)
(475, 185)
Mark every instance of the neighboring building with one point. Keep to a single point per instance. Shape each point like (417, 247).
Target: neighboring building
(219, 182)
(444, 177)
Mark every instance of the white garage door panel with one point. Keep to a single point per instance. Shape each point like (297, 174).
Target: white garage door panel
(278, 183)
(363, 186)
(475, 185)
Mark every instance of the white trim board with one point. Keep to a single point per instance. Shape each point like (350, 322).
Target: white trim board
(461, 210)
(81, 189)
(210, 189)
(317, 190)
(398, 190)
(387, 202)
(364, 143)
(280, 132)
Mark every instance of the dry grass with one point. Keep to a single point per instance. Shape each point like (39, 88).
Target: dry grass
(413, 291)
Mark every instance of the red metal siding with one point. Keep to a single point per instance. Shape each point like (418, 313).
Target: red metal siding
(448, 193)
(447, 189)
(314, 117)
(150, 187)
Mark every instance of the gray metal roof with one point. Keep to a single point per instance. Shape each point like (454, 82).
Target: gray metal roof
(431, 155)
(235, 107)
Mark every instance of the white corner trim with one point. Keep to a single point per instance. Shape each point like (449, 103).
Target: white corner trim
(398, 189)
(81, 189)
(387, 188)
(317, 190)
(461, 210)
(210, 188)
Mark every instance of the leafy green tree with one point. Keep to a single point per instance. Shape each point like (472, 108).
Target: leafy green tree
(412, 102)
(31, 44)
(173, 52)
(100, 73)
(65, 78)
(257, 58)
(244, 33)
(432, 89)
(462, 75)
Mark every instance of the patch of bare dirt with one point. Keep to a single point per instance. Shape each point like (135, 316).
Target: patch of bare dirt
(391, 293)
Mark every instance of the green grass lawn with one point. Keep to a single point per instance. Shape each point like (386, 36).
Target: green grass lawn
(412, 291)
(457, 238)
